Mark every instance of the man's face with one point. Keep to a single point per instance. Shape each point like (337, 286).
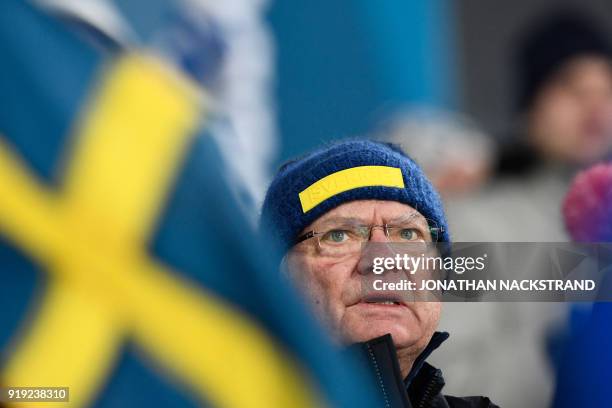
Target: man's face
(571, 119)
(333, 284)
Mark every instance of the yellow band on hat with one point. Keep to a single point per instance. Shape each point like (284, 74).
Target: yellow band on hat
(348, 179)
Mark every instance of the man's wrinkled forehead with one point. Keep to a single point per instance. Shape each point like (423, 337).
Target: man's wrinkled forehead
(367, 212)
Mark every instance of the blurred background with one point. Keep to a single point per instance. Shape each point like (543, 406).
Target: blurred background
(443, 54)
(502, 103)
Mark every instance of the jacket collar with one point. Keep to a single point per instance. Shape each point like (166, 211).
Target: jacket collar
(436, 340)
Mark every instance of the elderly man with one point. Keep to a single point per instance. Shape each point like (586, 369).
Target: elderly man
(323, 207)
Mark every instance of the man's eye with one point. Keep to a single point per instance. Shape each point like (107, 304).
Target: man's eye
(336, 236)
(408, 234)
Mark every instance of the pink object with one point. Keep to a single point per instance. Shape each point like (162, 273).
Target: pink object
(587, 208)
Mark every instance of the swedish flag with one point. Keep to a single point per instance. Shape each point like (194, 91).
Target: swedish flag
(127, 272)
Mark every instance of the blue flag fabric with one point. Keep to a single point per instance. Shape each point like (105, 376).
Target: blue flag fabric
(128, 273)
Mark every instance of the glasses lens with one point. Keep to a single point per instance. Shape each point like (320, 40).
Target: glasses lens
(415, 230)
(340, 241)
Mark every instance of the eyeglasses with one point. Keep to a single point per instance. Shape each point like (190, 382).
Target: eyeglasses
(347, 238)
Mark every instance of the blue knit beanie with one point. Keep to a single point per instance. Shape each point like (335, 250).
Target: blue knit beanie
(308, 187)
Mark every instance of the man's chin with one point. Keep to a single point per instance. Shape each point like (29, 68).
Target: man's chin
(400, 334)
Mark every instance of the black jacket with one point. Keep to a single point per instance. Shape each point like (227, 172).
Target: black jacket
(422, 388)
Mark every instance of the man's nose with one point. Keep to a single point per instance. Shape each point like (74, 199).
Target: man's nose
(377, 247)
(378, 234)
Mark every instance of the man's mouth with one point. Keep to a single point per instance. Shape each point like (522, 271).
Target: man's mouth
(384, 302)
(380, 299)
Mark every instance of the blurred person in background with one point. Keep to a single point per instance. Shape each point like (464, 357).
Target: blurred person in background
(565, 98)
(323, 204)
(456, 155)
(587, 211)
(564, 122)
